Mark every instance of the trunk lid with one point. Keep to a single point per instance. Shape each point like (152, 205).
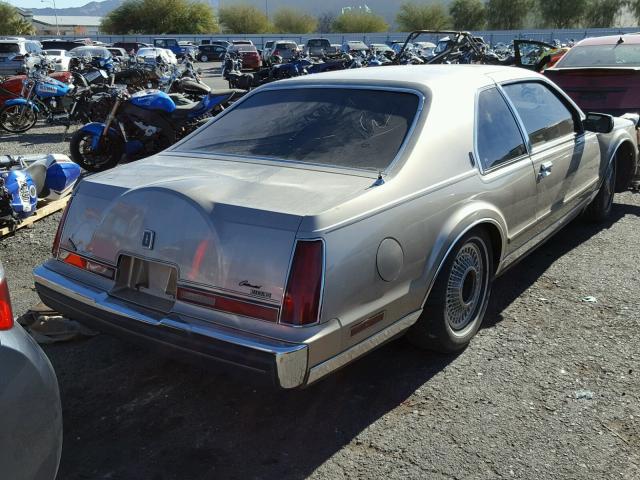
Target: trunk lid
(229, 226)
(606, 90)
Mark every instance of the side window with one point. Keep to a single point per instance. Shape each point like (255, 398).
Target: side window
(544, 115)
(498, 136)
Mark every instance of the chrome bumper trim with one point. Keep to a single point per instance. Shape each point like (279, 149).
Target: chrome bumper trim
(340, 360)
(290, 359)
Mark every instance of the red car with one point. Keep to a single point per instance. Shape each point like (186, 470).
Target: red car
(250, 57)
(602, 74)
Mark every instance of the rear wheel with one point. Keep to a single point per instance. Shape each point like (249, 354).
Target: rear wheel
(106, 155)
(17, 118)
(456, 305)
(600, 208)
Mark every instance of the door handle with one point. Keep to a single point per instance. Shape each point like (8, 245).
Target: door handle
(545, 170)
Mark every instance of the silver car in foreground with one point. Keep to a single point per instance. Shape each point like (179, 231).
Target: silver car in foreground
(31, 425)
(324, 215)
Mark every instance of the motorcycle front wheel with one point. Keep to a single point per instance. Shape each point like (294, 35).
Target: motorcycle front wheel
(105, 156)
(17, 118)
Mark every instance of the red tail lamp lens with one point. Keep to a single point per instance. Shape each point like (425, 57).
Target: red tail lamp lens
(6, 314)
(304, 286)
(73, 259)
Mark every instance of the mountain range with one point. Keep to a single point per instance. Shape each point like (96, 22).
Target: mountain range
(386, 8)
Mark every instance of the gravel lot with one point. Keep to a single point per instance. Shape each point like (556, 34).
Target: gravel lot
(548, 389)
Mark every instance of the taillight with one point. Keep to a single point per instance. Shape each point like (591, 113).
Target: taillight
(87, 264)
(18, 58)
(277, 52)
(227, 304)
(6, 314)
(302, 295)
(56, 240)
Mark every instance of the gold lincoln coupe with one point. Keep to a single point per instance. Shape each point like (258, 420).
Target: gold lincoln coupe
(324, 215)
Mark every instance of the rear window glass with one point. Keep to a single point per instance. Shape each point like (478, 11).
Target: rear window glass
(602, 56)
(9, 48)
(286, 46)
(354, 128)
(318, 43)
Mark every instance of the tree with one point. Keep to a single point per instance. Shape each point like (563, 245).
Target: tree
(160, 17)
(12, 23)
(290, 20)
(634, 6)
(602, 13)
(243, 19)
(325, 22)
(508, 14)
(353, 21)
(413, 16)
(562, 13)
(468, 14)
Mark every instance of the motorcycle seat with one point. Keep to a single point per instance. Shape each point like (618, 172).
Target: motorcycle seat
(38, 173)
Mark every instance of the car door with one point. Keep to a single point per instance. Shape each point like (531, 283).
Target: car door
(505, 166)
(565, 158)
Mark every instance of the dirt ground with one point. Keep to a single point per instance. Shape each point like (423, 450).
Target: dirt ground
(549, 389)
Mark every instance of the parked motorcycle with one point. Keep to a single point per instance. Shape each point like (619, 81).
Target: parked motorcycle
(26, 179)
(140, 125)
(12, 86)
(40, 93)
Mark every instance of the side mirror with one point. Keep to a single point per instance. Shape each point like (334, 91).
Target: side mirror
(598, 122)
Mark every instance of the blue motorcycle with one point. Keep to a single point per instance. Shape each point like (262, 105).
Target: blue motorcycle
(26, 179)
(40, 93)
(141, 125)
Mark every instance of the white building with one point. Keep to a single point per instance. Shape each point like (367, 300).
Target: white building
(67, 25)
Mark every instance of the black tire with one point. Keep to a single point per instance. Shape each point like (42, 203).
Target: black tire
(17, 118)
(457, 303)
(600, 207)
(107, 155)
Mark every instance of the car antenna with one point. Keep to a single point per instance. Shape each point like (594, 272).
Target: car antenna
(620, 40)
(379, 181)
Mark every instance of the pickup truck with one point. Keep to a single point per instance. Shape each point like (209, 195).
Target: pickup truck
(173, 45)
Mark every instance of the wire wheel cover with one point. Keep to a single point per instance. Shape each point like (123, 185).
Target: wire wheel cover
(464, 294)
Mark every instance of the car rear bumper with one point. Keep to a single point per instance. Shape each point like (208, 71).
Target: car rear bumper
(31, 432)
(285, 363)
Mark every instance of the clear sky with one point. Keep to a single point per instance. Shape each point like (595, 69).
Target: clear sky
(47, 3)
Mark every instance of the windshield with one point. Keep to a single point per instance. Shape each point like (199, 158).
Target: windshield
(9, 48)
(357, 46)
(602, 56)
(353, 128)
(53, 52)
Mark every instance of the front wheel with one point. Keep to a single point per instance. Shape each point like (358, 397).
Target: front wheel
(104, 156)
(17, 118)
(456, 305)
